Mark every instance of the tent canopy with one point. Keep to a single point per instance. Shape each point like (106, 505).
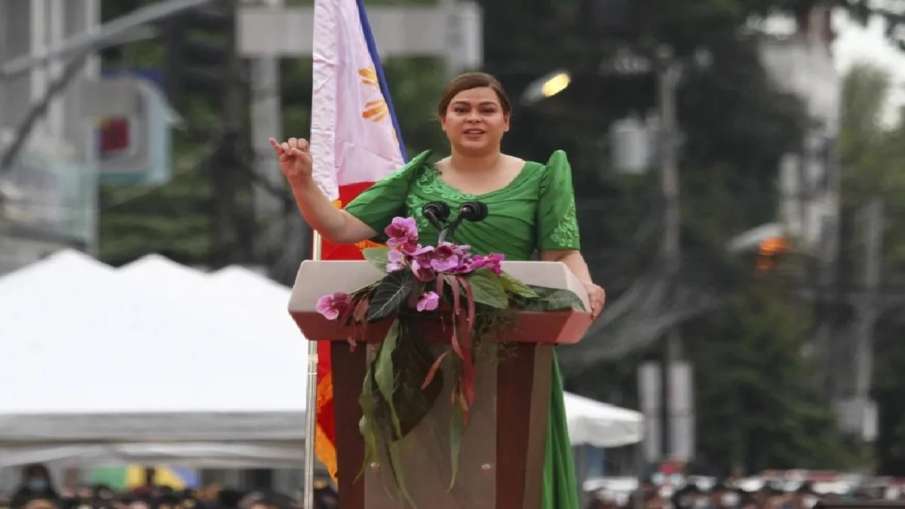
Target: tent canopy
(156, 362)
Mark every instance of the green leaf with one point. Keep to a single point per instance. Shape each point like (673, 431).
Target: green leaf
(488, 289)
(377, 256)
(368, 424)
(393, 453)
(552, 299)
(516, 287)
(414, 359)
(384, 373)
(456, 429)
(390, 293)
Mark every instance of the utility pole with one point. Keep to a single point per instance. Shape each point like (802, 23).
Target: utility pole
(679, 420)
(266, 121)
(869, 304)
(233, 231)
(283, 236)
(858, 411)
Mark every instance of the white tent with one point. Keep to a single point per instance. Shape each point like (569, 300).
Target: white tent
(151, 363)
(156, 363)
(599, 424)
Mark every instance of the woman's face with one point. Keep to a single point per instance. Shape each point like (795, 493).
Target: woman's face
(475, 122)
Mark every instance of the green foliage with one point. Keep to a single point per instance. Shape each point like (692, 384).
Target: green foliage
(390, 293)
(888, 387)
(757, 408)
(871, 158)
(385, 374)
(864, 148)
(488, 289)
(550, 299)
(172, 220)
(377, 256)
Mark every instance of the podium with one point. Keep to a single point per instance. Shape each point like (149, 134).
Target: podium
(502, 450)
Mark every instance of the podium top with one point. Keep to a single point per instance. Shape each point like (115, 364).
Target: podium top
(318, 278)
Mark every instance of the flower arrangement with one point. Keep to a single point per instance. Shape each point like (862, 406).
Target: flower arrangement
(469, 293)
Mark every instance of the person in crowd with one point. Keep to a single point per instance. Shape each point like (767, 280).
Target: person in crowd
(325, 495)
(39, 502)
(36, 484)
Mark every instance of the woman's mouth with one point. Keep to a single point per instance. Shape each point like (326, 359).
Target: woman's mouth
(473, 132)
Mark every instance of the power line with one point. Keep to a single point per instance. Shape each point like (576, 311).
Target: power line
(107, 35)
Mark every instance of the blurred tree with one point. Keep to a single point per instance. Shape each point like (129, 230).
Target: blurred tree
(736, 126)
(757, 405)
(172, 219)
(871, 156)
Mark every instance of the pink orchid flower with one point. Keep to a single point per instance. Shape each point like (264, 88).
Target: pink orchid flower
(428, 301)
(333, 304)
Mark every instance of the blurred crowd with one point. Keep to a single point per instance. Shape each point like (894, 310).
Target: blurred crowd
(772, 490)
(36, 491)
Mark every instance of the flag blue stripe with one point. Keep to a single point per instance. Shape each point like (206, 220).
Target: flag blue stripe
(384, 88)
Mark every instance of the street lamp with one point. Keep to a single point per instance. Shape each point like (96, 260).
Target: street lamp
(546, 86)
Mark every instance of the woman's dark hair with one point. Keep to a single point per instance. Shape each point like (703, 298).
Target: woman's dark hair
(468, 81)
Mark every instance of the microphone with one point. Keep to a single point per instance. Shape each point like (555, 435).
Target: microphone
(437, 213)
(470, 210)
(473, 211)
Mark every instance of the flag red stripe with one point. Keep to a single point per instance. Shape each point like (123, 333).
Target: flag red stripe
(326, 416)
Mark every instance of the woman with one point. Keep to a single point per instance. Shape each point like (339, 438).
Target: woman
(531, 211)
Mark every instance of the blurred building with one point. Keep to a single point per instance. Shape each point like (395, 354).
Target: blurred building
(801, 63)
(64, 128)
(47, 196)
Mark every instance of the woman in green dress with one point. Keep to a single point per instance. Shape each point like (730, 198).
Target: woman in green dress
(531, 215)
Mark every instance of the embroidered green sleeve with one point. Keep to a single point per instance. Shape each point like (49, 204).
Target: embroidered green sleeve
(557, 222)
(566, 232)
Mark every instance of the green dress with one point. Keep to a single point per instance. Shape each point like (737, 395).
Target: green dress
(536, 211)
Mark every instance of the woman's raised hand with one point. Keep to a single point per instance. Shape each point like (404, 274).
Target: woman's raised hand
(295, 160)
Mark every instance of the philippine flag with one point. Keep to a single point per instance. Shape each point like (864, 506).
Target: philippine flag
(355, 141)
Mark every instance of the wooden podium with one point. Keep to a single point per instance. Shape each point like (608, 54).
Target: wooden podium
(502, 450)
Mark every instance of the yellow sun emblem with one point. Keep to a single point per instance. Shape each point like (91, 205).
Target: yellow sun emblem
(368, 76)
(375, 110)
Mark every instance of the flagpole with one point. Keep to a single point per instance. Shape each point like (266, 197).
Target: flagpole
(311, 402)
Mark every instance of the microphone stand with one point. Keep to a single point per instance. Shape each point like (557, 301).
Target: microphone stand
(470, 210)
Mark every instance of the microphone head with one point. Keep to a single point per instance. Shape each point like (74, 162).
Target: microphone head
(436, 210)
(473, 210)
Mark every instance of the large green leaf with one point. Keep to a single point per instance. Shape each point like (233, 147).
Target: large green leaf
(377, 256)
(384, 373)
(488, 289)
(414, 359)
(394, 455)
(390, 293)
(370, 431)
(516, 287)
(456, 430)
(551, 299)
